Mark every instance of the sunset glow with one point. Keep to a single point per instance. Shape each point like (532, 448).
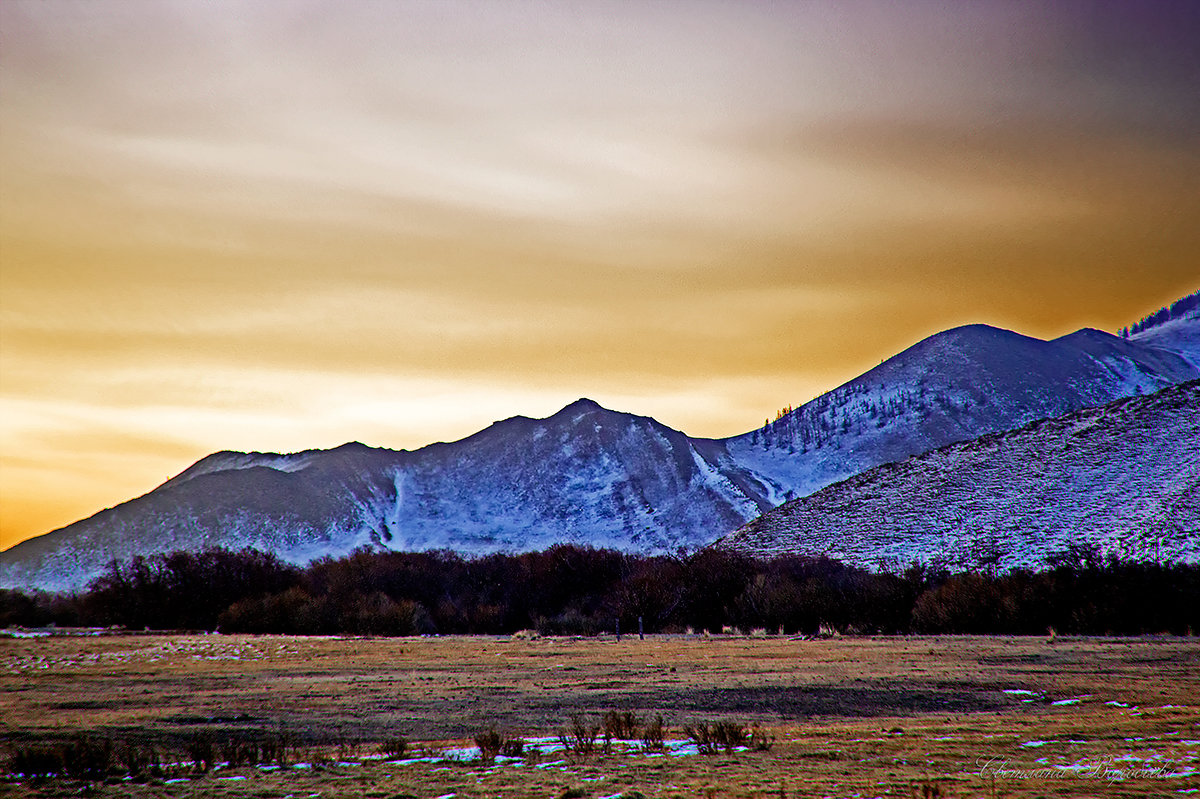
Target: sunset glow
(282, 225)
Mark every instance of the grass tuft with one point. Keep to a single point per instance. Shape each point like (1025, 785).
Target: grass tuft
(760, 740)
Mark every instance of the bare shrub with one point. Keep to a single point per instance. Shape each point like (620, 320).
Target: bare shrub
(237, 752)
(490, 744)
(95, 758)
(711, 738)
(139, 761)
(37, 760)
(702, 737)
(394, 747)
(202, 750)
(276, 749)
(621, 725)
(580, 738)
(654, 733)
(730, 734)
(532, 755)
(88, 758)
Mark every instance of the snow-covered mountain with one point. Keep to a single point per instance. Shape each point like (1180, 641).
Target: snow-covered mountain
(599, 477)
(954, 386)
(1124, 477)
(585, 475)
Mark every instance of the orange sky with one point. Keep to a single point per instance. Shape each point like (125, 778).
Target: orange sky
(285, 225)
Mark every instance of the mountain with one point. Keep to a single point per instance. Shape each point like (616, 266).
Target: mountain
(1124, 477)
(954, 386)
(603, 478)
(586, 475)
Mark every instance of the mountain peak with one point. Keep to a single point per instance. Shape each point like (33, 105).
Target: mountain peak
(582, 405)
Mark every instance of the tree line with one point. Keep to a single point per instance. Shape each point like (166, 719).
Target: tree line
(1176, 310)
(572, 590)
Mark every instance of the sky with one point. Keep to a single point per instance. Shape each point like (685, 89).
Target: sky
(276, 226)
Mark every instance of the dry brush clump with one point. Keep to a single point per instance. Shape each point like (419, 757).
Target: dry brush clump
(760, 739)
(201, 749)
(622, 725)
(729, 736)
(493, 744)
(394, 747)
(654, 734)
(490, 743)
(712, 738)
(95, 758)
(206, 751)
(585, 738)
(139, 761)
(86, 758)
(36, 761)
(89, 758)
(580, 739)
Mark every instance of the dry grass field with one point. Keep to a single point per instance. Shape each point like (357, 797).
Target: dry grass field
(850, 717)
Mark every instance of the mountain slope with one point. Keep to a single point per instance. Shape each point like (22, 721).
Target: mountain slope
(1175, 329)
(1124, 476)
(952, 386)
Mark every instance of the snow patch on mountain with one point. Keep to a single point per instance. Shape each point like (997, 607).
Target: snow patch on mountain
(232, 461)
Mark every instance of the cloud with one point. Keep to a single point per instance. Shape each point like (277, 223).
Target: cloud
(282, 225)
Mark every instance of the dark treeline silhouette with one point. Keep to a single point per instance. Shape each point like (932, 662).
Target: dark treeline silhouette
(582, 591)
(1175, 310)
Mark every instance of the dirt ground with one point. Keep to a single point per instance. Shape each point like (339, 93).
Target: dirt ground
(861, 717)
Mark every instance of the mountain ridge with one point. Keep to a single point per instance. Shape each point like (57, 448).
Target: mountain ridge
(595, 476)
(948, 387)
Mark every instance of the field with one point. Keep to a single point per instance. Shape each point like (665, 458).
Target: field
(843, 717)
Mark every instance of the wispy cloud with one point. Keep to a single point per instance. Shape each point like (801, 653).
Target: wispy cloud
(285, 224)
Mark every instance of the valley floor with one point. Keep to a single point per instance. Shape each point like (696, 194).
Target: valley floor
(850, 717)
